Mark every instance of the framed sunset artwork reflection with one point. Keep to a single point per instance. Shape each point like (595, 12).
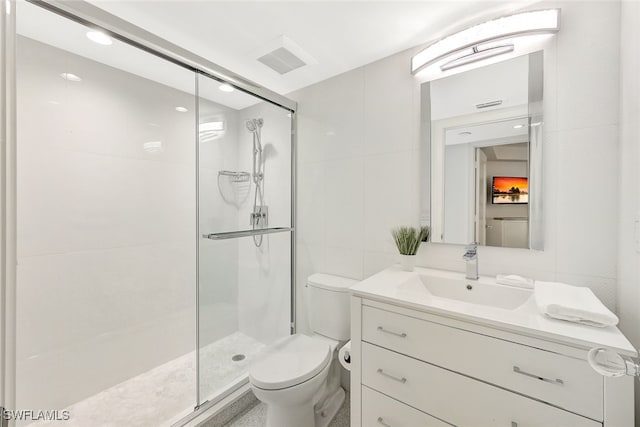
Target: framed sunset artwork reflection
(509, 190)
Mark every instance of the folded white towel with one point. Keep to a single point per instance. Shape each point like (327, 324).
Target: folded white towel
(572, 303)
(514, 280)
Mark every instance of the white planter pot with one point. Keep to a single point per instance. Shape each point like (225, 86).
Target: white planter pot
(408, 262)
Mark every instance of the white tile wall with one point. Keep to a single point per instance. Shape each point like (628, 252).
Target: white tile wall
(264, 273)
(106, 230)
(581, 116)
(629, 178)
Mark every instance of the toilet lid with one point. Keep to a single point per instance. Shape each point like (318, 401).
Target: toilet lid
(289, 361)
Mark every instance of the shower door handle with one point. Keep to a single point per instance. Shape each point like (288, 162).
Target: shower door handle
(245, 233)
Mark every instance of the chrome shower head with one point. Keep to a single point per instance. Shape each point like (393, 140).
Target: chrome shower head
(254, 124)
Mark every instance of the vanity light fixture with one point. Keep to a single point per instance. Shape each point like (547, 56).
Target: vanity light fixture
(486, 40)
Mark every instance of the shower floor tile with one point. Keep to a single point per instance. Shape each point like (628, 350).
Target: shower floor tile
(166, 393)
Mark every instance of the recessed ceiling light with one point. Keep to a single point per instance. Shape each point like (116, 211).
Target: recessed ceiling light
(70, 77)
(226, 87)
(181, 109)
(100, 38)
(465, 133)
(518, 126)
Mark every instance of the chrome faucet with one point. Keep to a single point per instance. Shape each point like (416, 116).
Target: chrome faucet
(471, 258)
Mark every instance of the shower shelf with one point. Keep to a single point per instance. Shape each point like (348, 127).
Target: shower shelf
(234, 176)
(245, 233)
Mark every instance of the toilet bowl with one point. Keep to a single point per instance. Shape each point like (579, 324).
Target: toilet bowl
(298, 377)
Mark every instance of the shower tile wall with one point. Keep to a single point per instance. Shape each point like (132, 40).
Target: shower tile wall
(264, 273)
(106, 276)
(218, 296)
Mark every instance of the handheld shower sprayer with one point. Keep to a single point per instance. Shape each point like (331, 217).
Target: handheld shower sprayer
(254, 126)
(259, 214)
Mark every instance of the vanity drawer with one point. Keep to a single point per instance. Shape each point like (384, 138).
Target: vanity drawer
(458, 399)
(382, 411)
(560, 380)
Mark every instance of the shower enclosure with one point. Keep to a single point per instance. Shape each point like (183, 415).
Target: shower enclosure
(154, 223)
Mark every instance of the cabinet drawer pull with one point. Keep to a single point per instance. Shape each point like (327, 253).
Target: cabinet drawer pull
(557, 381)
(400, 380)
(381, 421)
(402, 335)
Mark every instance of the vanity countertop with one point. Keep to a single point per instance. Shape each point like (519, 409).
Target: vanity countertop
(389, 286)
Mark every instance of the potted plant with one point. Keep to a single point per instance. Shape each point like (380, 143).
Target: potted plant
(408, 241)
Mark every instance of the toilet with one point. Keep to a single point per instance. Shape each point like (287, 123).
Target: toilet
(298, 377)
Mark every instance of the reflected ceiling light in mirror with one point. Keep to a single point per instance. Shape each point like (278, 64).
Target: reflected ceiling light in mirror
(70, 77)
(100, 38)
(465, 133)
(212, 130)
(152, 146)
(518, 126)
(226, 87)
(181, 110)
(486, 40)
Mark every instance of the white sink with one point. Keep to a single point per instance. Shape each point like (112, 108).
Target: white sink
(445, 293)
(451, 286)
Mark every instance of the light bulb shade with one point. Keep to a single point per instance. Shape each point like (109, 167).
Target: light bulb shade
(464, 43)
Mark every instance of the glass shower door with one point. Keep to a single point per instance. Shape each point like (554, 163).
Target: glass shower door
(244, 195)
(106, 227)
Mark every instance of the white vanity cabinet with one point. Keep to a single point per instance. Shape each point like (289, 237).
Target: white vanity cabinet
(412, 368)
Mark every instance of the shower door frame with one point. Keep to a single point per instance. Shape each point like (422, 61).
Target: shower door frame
(8, 250)
(84, 13)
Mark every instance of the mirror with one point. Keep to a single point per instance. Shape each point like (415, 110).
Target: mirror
(482, 139)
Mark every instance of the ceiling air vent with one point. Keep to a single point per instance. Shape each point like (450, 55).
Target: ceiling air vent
(282, 60)
(283, 55)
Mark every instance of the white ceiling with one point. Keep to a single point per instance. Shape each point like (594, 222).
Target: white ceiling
(339, 35)
(492, 133)
(45, 27)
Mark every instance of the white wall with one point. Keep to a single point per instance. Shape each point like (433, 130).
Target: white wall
(358, 164)
(459, 193)
(357, 169)
(629, 178)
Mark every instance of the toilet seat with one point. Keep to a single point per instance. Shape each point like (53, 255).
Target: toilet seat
(289, 362)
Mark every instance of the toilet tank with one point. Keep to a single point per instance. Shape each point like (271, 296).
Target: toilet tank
(329, 305)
